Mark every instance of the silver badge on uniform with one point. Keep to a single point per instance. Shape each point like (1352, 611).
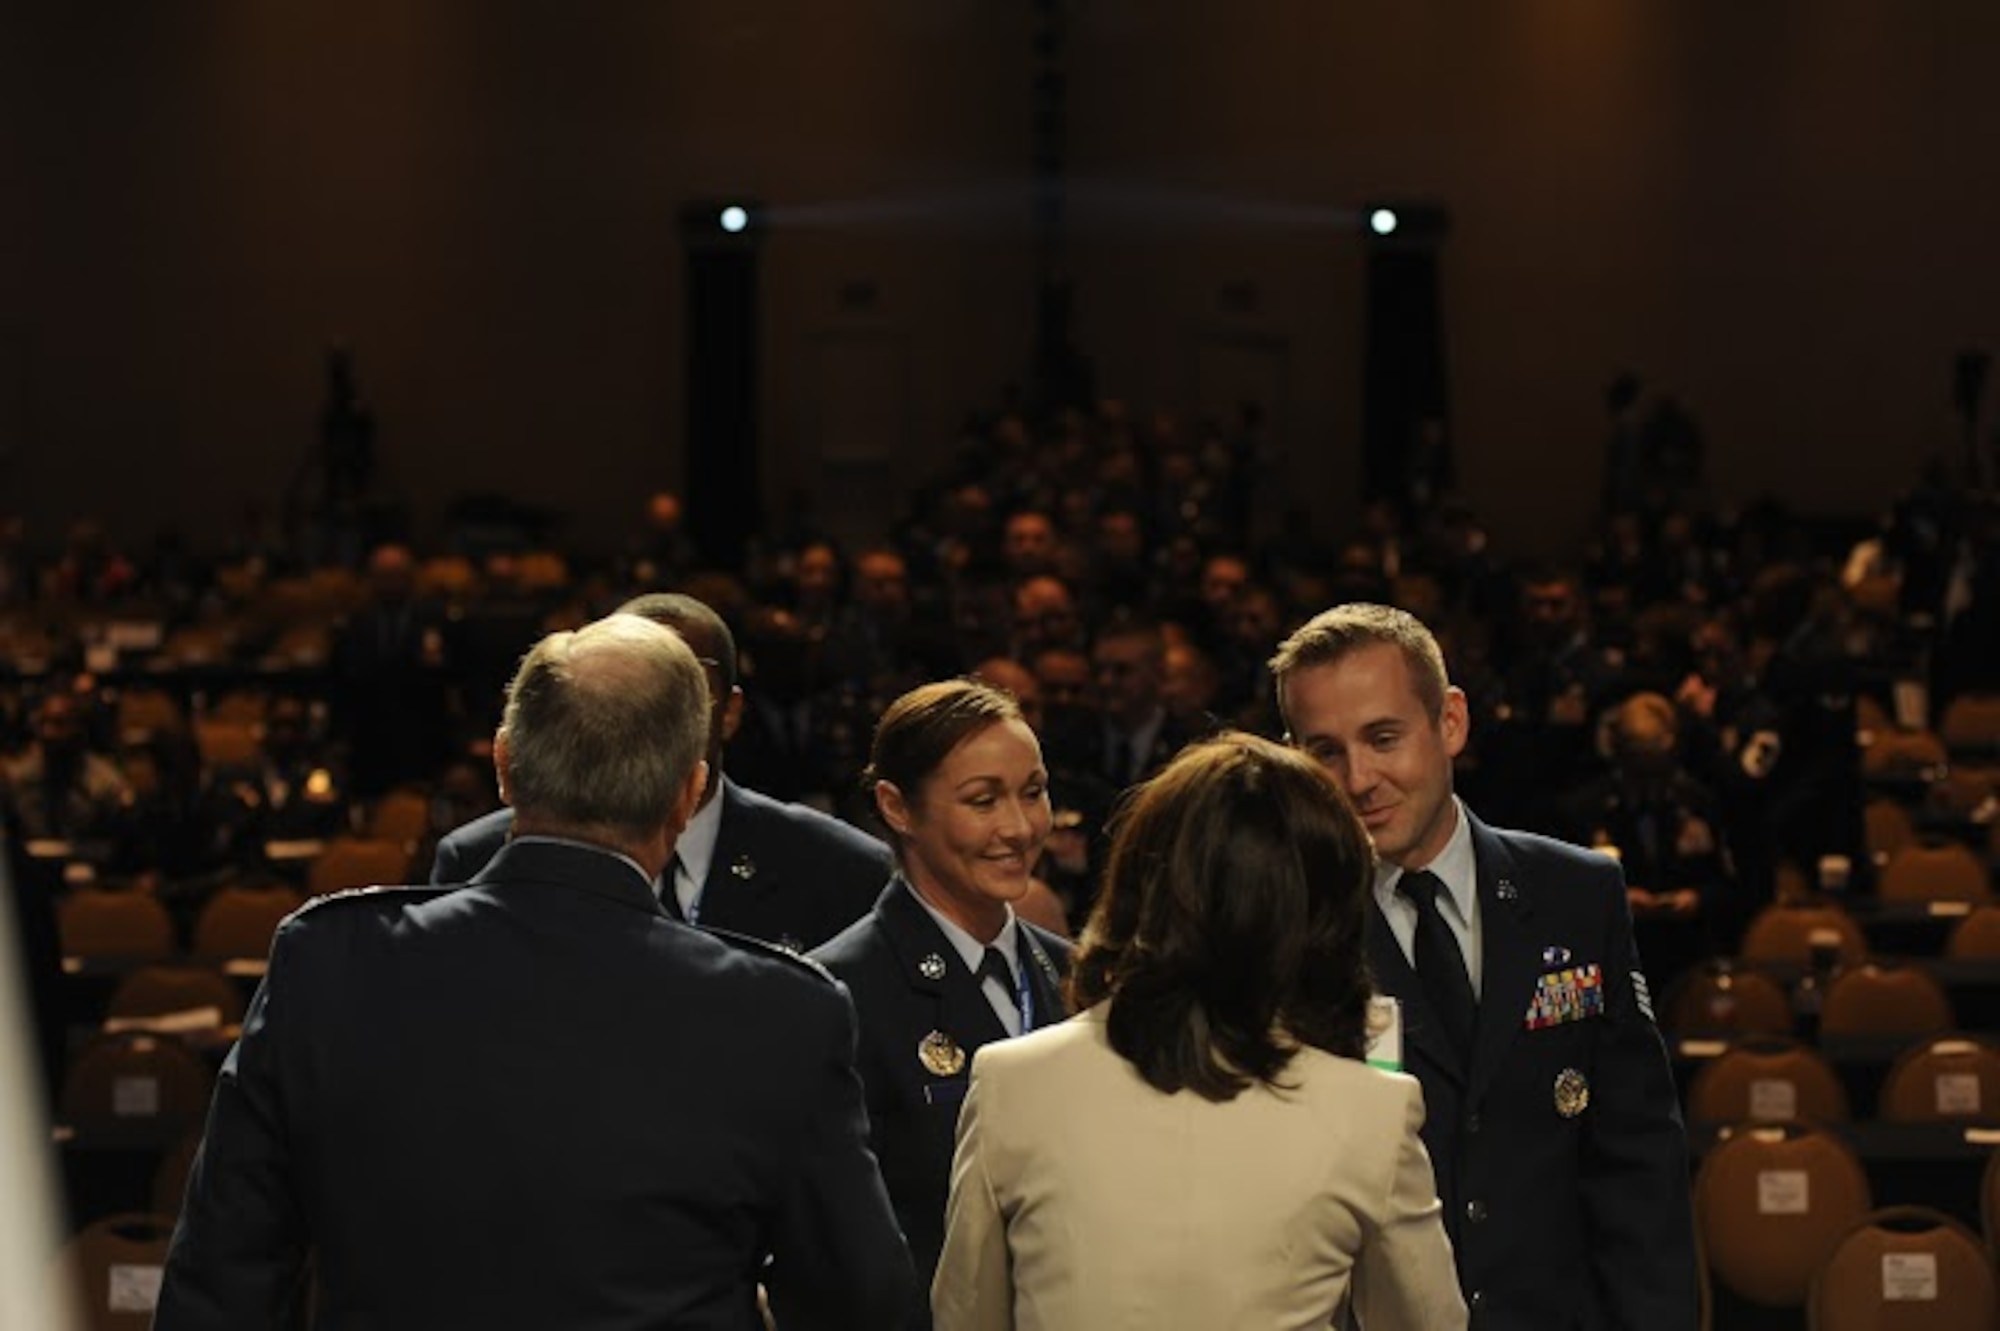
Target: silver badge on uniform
(744, 867)
(931, 967)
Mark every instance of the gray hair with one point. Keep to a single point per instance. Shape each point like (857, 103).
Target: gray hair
(604, 726)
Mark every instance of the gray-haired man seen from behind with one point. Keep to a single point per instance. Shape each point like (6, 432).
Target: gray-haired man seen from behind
(536, 1100)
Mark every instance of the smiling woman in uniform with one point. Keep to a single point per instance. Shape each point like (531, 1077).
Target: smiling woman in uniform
(942, 965)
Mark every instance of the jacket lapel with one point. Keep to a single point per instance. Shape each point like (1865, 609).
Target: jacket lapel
(736, 880)
(1508, 956)
(931, 966)
(1423, 1037)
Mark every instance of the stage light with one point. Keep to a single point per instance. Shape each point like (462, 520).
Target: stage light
(733, 218)
(1382, 221)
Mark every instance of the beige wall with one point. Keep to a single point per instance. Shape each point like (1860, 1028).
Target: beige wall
(1780, 211)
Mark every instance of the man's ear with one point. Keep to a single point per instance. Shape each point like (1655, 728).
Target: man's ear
(501, 762)
(732, 714)
(895, 810)
(1455, 721)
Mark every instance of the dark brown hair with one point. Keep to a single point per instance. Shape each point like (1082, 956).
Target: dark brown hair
(1229, 930)
(921, 728)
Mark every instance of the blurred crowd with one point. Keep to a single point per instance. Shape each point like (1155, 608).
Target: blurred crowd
(1692, 689)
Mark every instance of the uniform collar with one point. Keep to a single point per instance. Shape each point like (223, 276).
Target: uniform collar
(1456, 866)
(970, 950)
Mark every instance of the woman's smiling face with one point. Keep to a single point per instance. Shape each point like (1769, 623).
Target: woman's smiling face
(974, 828)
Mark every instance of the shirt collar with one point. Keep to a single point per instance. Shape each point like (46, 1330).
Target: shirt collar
(618, 855)
(696, 844)
(970, 950)
(1456, 866)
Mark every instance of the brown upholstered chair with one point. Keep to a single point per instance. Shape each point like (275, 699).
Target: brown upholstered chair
(1875, 999)
(1720, 1000)
(400, 815)
(1933, 870)
(228, 743)
(358, 862)
(116, 1264)
(1887, 827)
(100, 924)
(1989, 1204)
(1971, 725)
(1789, 933)
(1771, 1201)
(1905, 1268)
(129, 1086)
(236, 923)
(1949, 1078)
(1767, 1080)
(153, 993)
(1976, 937)
(1914, 756)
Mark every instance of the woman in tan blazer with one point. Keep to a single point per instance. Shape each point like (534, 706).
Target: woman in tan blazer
(1202, 1146)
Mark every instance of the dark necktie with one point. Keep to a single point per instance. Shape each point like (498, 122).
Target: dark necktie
(993, 966)
(1440, 963)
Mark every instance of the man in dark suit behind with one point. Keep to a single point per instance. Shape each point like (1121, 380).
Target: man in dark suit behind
(748, 864)
(1551, 1117)
(491, 1105)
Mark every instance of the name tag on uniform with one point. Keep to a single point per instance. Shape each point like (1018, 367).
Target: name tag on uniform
(1385, 1033)
(1569, 994)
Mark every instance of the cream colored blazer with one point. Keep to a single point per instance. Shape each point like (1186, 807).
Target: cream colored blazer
(1084, 1200)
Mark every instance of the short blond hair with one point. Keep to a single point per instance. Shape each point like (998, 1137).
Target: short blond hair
(1333, 634)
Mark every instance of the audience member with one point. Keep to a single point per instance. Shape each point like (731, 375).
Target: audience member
(59, 789)
(394, 681)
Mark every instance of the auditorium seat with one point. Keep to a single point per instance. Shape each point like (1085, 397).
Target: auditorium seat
(134, 1088)
(116, 1264)
(99, 925)
(1789, 934)
(236, 924)
(1881, 999)
(1970, 727)
(1771, 1201)
(357, 862)
(1887, 827)
(177, 1000)
(1946, 1078)
(1722, 1000)
(1905, 1268)
(1765, 1080)
(1935, 870)
(1976, 937)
